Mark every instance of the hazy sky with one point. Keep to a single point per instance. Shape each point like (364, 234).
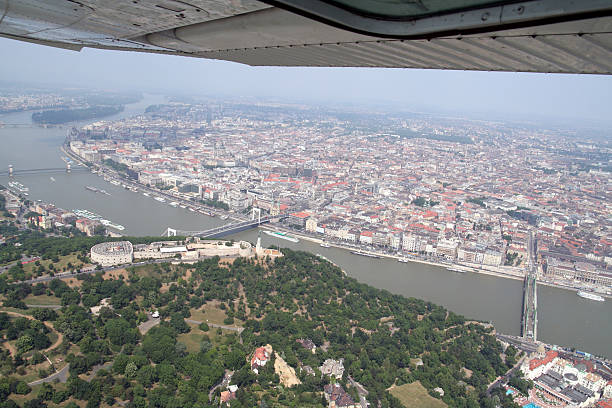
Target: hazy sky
(583, 97)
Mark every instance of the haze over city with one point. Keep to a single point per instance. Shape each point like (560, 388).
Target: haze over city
(571, 100)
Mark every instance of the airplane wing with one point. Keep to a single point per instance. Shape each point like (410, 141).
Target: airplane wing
(560, 36)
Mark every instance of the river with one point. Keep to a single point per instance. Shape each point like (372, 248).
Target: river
(564, 318)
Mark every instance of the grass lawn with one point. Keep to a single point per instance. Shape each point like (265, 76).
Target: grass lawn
(14, 309)
(59, 266)
(21, 399)
(153, 270)
(193, 339)
(32, 372)
(212, 314)
(415, 395)
(42, 300)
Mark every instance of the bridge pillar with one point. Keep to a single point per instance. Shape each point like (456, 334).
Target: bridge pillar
(10, 170)
(258, 211)
(171, 232)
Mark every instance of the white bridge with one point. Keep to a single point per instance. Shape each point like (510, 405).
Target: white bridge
(227, 229)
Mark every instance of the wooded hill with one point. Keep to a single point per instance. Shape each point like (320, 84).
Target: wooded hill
(382, 338)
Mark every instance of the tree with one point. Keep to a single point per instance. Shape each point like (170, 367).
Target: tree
(119, 332)
(131, 370)
(22, 388)
(159, 343)
(44, 314)
(146, 376)
(120, 363)
(205, 346)
(71, 297)
(46, 392)
(100, 230)
(24, 343)
(178, 323)
(35, 403)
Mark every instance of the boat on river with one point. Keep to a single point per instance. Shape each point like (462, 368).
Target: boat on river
(363, 253)
(282, 235)
(590, 296)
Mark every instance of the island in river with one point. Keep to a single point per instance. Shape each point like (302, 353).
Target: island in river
(59, 116)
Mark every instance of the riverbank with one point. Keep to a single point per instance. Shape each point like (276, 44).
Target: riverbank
(396, 257)
(466, 268)
(478, 269)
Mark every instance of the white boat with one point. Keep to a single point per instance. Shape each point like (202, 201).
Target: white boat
(52, 179)
(183, 206)
(402, 260)
(590, 296)
(115, 182)
(18, 186)
(160, 199)
(191, 209)
(325, 245)
(173, 204)
(111, 224)
(282, 235)
(363, 253)
(87, 214)
(146, 194)
(453, 269)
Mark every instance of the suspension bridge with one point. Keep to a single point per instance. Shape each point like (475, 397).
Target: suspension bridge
(227, 229)
(11, 171)
(223, 230)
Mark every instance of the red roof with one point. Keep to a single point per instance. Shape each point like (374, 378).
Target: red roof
(301, 214)
(536, 362)
(227, 396)
(260, 354)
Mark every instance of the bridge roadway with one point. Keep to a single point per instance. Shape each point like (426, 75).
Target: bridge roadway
(223, 230)
(17, 172)
(18, 125)
(529, 319)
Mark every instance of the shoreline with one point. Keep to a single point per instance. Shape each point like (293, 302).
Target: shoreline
(431, 263)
